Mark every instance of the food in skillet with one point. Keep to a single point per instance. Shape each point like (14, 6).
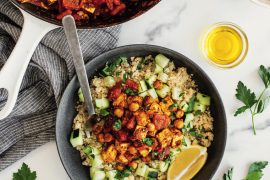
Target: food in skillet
(87, 9)
(151, 117)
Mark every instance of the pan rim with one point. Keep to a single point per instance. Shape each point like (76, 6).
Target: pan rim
(79, 26)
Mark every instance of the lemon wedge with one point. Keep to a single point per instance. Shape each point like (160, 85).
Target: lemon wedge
(187, 163)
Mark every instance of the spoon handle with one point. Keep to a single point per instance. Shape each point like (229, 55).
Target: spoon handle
(75, 49)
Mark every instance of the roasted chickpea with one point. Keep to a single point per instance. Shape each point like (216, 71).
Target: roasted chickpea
(108, 137)
(179, 113)
(132, 150)
(151, 127)
(119, 167)
(100, 138)
(158, 84)
(118, 112)
(133, 164)
(134, 107)
(178, 123)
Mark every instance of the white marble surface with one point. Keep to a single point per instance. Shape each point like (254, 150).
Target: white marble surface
(178, 24)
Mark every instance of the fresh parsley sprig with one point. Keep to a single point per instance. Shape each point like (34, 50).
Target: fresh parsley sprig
(248, 98)
(255, 171)
(24, 173)
(228, 175)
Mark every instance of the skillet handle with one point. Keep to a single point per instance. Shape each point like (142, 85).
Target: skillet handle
(11, 75)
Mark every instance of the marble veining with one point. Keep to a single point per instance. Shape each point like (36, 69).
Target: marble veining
(157, 30)
(179, 24)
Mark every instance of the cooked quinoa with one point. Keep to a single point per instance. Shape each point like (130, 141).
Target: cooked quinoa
(190, 121)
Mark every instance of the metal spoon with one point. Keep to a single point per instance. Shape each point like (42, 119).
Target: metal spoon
(75, 49)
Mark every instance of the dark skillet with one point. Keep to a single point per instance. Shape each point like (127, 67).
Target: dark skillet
(70, 157)
(133, 10)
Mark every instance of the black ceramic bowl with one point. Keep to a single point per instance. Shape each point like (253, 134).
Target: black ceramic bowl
(70, 157)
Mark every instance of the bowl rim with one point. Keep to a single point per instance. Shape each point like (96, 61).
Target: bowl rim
(156, 49)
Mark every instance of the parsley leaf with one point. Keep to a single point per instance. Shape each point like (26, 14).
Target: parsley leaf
(245, 95)
(123, 174)
(191, 104)
(108, 70)
(104, 112)
(255, 170)
(117, 125)
(148, 141)
(251, 103)
(130, 92)
(24, 173)
(241, 110)
(184, 143)
(265, 75)
(228, 175)
(125, 76)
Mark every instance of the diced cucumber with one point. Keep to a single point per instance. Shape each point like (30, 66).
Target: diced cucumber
(143, 86)
(203, 99)
(143, 94)
(184, 106)
(97, 161)
(150, 81)
(199, 107)
(163, 77)
(111, 174)
(151, 173)
(189, 117)
(176, 93)
(91, 150)
(188, 121)
(140, 171)
(163, 166)
(87, 150)
(76, 138)
(98, 175)
(164, 91)
(109, 81)
(92, 171)
(152, 93)
(162, 60)
(102, 103)
(158, 69)
(80, 95)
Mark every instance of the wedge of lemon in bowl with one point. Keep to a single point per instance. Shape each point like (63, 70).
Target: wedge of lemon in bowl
(187, 163)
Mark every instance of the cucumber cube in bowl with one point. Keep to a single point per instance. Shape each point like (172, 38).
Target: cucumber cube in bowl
(152, 93)
(203, 99)
(164, 91)
(162, 60)
(76, 138)
(102, 103)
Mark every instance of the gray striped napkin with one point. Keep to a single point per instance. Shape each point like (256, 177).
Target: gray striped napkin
(31, 123)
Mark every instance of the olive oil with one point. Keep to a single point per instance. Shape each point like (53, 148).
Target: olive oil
(224, 45)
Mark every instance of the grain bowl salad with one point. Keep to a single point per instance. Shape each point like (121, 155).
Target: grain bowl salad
(149, 111)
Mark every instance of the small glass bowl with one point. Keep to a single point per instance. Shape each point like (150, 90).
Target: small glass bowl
(241, 34)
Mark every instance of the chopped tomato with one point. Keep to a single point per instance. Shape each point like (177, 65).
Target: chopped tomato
(121, 135)
(132, 85)
(71, 4)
